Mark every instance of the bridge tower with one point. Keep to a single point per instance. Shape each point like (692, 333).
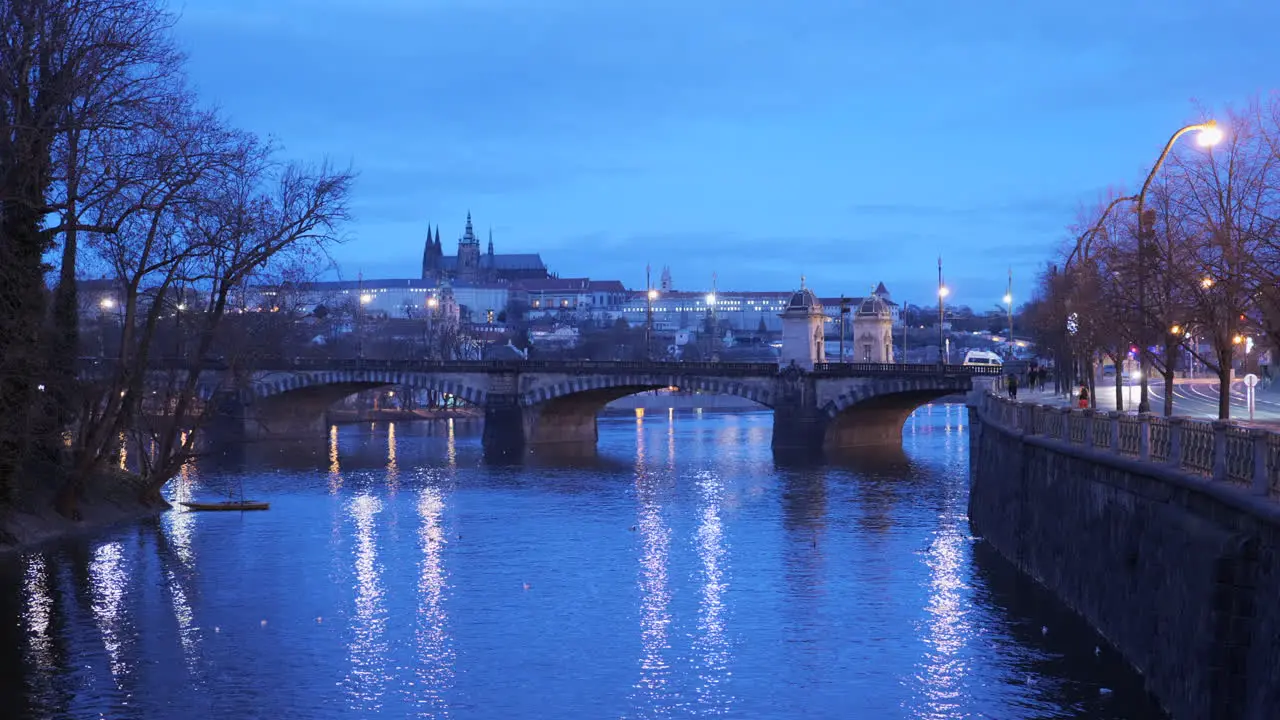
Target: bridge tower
(873, 330)
(803, 342)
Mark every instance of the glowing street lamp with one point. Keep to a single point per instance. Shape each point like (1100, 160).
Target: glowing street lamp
(649, 297)
(1206, 283)
(107, 303)
(711, 299)
(432, 302)
(366, 299)
(1209, 134)
(943, 291)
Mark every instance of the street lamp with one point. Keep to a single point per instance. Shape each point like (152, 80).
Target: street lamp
(432, 304)
(649, 297)
(1008, 300)
(943, 291)
(1209, 135)
(107, 303)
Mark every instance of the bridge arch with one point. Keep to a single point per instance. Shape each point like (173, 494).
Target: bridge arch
(295, 404)
(874, 412)
(345, 382)
(618, 386)
(563, 412)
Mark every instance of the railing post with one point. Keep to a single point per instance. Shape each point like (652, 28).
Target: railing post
(1220, 450)
(1144, 437)
(1088, 414)
(1114, 418)
(1175, 443)
(1261, 473)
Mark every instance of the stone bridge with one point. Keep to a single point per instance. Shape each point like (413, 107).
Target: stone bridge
(544, 404)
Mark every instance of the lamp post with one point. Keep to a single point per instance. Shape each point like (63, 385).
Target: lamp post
(844, 310)
(649, 296)
(432, 304)
(942, 296)
(1209, 136)
(903, 316)
(1008, 300)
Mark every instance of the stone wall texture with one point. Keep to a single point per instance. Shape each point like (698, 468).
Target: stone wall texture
(1180, 574)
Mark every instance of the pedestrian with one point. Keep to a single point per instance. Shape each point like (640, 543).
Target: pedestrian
(1032, 376)
(1013, 386)
(1084, 396)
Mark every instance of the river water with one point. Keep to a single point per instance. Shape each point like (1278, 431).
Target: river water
(681, 573)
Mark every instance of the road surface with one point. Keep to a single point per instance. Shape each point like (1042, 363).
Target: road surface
(1192, 398)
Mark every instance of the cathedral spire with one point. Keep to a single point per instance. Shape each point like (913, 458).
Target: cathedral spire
(427, 249)
(491, 241)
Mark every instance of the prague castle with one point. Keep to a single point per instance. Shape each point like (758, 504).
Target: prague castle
(472, 266)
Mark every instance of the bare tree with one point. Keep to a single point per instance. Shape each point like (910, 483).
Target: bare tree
(1226, 197)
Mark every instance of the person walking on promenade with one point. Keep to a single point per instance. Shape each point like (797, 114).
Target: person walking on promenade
(1013, 386)
(1084, 396)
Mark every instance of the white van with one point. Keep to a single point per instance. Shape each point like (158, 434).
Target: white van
(982, 358)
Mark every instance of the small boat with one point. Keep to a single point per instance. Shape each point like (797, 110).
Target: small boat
(230, 505)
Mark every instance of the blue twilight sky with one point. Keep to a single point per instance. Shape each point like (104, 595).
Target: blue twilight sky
(849, 141)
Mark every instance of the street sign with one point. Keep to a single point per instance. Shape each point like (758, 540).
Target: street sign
(1249, 381)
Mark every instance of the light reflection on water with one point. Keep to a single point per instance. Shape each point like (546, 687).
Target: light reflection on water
(435, 647)
(335, 463)
(712, 642)
(683, 574)
(367, 654)
(652, 691)
(110, 581)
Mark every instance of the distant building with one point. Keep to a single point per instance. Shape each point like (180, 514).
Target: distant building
(472, 266)
(581, 298)
(678, 310)
(475, 302)
(831, 306)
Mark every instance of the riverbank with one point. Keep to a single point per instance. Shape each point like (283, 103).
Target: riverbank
(111, 499)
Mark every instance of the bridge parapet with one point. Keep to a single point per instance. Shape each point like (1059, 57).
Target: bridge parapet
(1221, 451)
(725, 369)
(902, 369)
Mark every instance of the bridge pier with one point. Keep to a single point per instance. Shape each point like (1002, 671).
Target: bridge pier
(227, 426)
(504, 427)
(799, 425)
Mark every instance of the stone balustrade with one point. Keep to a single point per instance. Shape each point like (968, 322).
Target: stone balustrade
(1222, 451)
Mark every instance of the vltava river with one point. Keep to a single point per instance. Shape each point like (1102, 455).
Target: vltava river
(682, 573)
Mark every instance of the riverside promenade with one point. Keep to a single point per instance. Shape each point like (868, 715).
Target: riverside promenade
(1163, 533)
